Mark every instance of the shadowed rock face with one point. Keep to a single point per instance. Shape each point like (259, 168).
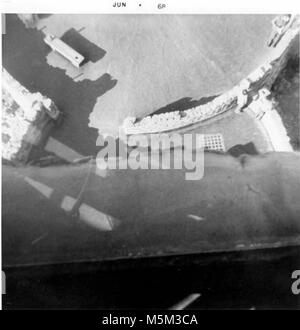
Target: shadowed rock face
(286, 92)
(245, 203)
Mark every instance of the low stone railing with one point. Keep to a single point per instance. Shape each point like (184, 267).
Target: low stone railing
(176, 119)
(264, 109)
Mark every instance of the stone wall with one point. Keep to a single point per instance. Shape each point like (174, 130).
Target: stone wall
(263, 108)
(23, 119)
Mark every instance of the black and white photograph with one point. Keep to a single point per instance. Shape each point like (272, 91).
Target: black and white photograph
(150, 161)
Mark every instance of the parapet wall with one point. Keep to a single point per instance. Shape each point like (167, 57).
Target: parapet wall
(234, 99)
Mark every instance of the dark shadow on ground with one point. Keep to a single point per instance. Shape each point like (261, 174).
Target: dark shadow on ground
(184, 104)
(24, 57)
(286, 92)
(154, 283)
(89, 50)
(41, 16)
(241, 149)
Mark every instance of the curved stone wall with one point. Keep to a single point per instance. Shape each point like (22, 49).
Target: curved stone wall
(234, 99)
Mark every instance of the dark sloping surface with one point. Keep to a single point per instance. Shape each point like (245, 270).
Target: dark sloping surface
(237, 205)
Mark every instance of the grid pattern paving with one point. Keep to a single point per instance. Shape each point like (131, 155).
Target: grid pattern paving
(214, 142)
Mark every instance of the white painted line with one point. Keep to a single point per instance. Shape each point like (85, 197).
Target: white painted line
(42, 188)
(195, 217)
(68, 203)
(61, 150)
(185, 302)
(95, 218)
